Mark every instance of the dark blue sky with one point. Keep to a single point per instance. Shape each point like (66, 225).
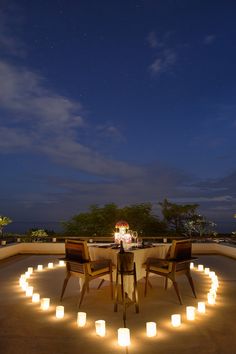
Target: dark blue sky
(116, 101)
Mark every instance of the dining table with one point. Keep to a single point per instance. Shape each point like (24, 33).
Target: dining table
(141, 254)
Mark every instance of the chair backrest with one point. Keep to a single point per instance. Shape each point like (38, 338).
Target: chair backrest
(180, 250)
(77, 251)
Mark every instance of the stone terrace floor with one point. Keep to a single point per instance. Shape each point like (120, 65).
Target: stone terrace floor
(27, 329)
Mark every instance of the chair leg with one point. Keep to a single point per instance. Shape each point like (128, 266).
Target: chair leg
(166, 283)
(84, 287)
(146, 282)
(111, 282)
(116, 293)
(64, 285)
(123, 295)
(100, 284)
(136, 292)
(190, 279)
(177, 291)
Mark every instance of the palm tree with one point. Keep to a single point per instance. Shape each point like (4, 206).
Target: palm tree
(4, 220)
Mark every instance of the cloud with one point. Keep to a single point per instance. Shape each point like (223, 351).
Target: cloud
(165, 55)
(164, 62)
(39, 119)
(209, 39)
(8, 42)
(152, 40)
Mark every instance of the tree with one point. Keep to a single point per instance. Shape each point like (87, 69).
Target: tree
(39, 234)
(4, 221)
(199, 226)
(176, 215)
(100, 221)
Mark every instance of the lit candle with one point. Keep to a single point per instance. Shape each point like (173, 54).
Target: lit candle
(176, 320)
(40, 267)
(200, 267)
(27, 275)
(45, 303)
(213, 292)
(191, 265)
(30, 270)
(124, 337)
(190, 313)
(207, 270)
(29, 291)
(212, 274)
(100, 326)
(61, 263)
(35, 297)
(24, 285)
(81, 319)
(201, 307)
(211, 299)
(59, 311)
(22, 280)
(50, 265)
(151, 329)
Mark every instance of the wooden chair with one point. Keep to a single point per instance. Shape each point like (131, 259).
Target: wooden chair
(177, 262)
(126, 267)
(78, 264)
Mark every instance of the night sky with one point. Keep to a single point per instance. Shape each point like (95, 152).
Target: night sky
(116, 101)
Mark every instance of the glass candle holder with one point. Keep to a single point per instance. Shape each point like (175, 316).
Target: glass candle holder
(201, 307)
(100, 326)
(50, 265)
(30, 270)
(81, 319)
(190, 313)
(151, 329)
(29, 291)
(40, 267)
(176, 320)
(59, 311)
(200, 267)
(45, 303)
(35, 297)
(124, 337)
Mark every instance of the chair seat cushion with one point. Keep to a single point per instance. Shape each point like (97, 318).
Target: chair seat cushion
(101, 265)
(159, 269)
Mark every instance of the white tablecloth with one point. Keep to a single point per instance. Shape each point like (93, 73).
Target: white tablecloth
(140, 257)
